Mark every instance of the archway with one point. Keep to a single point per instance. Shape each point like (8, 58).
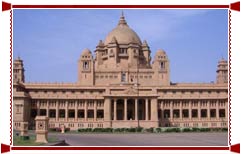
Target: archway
(130, 109)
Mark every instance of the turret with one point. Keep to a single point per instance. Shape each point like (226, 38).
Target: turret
(161, 68)
(222, 71)
(18, 71)
(86, 68)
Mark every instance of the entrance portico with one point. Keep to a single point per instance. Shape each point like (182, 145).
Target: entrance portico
(133, 112)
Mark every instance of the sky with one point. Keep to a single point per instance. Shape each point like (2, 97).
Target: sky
(50, 41)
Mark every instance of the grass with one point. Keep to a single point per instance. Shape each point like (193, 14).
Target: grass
(17, 141)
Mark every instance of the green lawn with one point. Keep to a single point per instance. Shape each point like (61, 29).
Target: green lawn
(17, 141)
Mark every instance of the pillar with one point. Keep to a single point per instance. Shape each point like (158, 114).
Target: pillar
(57, 110)
(66, 111)
(146, 107)
(154, 115)
(115, 109)
(208, 109)
(217, 109)
(95, 110)
(180, 108)
(125, 109)
(136, 109)
(171, 110)
(47, 109)
(190, 109)
(162, 110)
(107, 109)
(38, 107)
(76, 111)
(86, 109)
(199, 110)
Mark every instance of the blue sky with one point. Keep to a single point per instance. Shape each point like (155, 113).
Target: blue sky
(50, 41)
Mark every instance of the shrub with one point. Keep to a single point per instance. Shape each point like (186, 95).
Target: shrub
(132, 130)
(139, 129)
(81, 130)
(204, 129)
(108, 130)
(117, 130)
(150, 130)
(224, 129)
(186, 129)
(194, 129)
(158, 130)
(174, 129)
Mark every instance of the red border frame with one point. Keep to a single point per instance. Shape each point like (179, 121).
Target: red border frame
(232, 6)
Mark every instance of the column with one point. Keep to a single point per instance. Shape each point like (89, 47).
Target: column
(125, 109)
(107, 109)
(47, 109)
(95, 110)
(171, 110)
(162, 110)
(115, 109)
(86, 109)
(76, 111)
(66, 111)
(180, 108)
(217, 109)
(208, 109)
(136, 109)
(199, 110)
(190, 109)
(146, 107)
(57, 110)
(38, 107)
(154, 115)
(226, 109)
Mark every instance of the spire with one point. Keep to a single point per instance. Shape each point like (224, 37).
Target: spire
(122, 20)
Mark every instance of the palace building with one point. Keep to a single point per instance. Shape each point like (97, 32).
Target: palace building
(120, 86)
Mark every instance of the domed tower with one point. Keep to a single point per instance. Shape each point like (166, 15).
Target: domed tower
(122, 48)
(18, 71)
(86, 68)
(161, 68)
(222, 71)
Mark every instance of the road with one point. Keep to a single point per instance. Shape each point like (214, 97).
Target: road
(145, 139)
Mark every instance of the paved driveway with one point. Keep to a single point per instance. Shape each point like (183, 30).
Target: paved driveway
(163, 139)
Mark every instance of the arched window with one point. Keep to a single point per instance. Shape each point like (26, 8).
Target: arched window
(162, 65)
(123, 77)
(85, 65)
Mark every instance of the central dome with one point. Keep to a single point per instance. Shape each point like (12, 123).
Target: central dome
(123, 34)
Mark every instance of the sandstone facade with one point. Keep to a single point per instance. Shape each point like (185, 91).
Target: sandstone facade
(122, 87)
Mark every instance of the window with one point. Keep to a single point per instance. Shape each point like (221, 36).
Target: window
(61, 113)
(100, 113)
(222, 113)
(18, 109)
(43, 112)
(213, 113)
(185, 113)
(90, 114)
(33, 113)
(123, 77)
(167, 113)
(203, 113)
(52, 113)
(71, 113)
(123, 51)
(194, 113)
(176, 114)
(85, 65)
(162, 66)
(81, 113)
